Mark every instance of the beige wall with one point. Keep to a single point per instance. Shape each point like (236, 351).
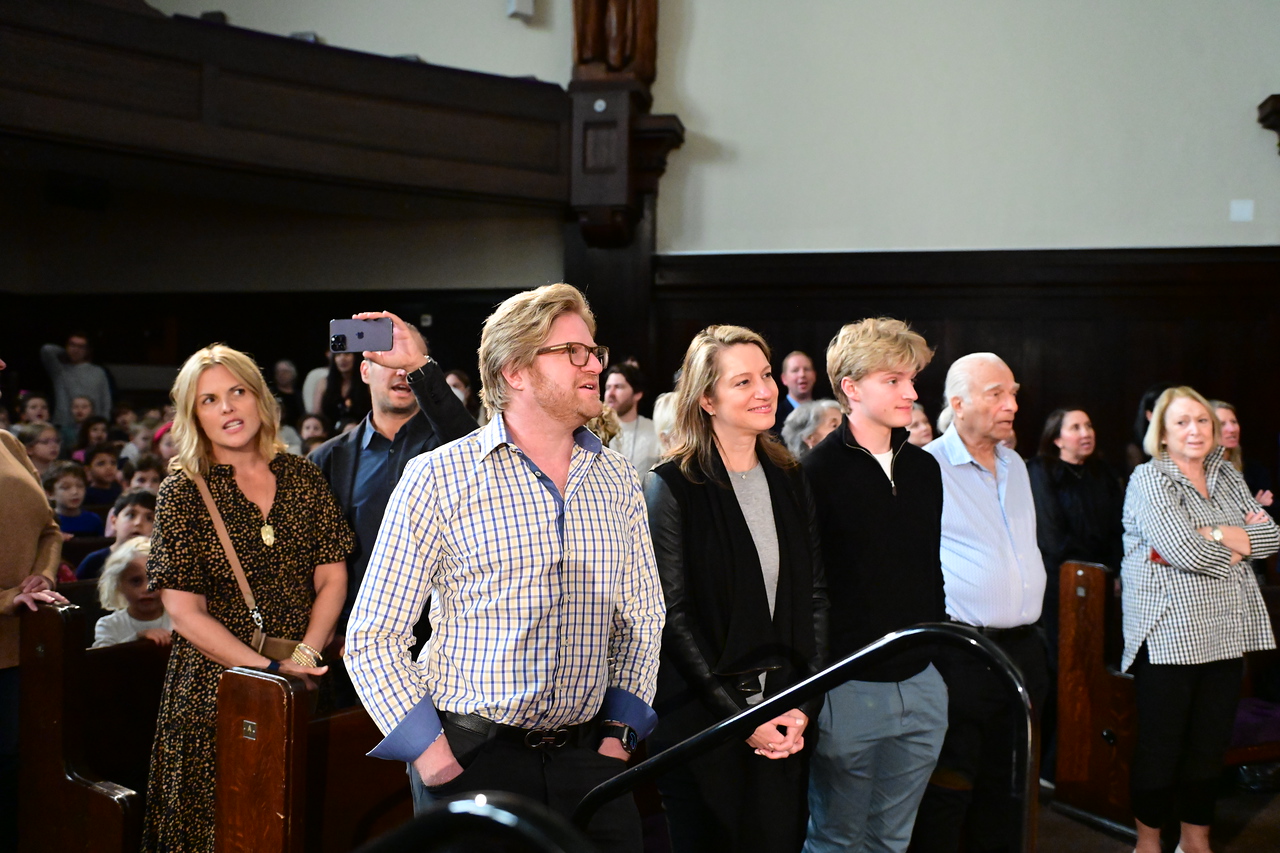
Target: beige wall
(832, 125)
(935, 124)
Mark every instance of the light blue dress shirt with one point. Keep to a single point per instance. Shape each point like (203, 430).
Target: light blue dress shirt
(992, 570)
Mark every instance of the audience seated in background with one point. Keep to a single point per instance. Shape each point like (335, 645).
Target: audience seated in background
(103, 473)
(798, 377)
(808, 424)
(920, 431)
(138, 613)
(134, 514)
(314, 426)
(33, 409)
(637, 439)
(460, 382)
(42, 444)
(162, 443)
(145, 472)
(93, 431)
(138, 441)
(81, 411)
(64, 482)
(123, 419)
(313, 385)
(664, 419)
(345, 398)
(310, 444)
(285, 390)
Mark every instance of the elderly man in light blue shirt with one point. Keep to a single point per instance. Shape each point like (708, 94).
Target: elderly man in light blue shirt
(994, 582)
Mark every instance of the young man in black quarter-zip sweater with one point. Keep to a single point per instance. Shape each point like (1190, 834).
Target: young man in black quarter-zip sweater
(879, 502)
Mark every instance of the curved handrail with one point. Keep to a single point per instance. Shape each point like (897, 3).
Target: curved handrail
(740, 725)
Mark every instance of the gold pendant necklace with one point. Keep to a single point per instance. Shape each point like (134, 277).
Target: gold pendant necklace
(268, 535)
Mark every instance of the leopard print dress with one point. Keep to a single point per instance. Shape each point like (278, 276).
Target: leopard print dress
(186, 555)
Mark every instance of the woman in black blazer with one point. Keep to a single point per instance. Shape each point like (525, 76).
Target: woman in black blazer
(736, 541)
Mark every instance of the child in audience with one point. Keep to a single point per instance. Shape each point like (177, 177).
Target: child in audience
(64, 482)
(33, 409)
(103, 474)
(144, 472)
(93, 431)
(139, 442)
(139, 614)
(42, 444)
(162, 443)
(81, 410)
(134, 514)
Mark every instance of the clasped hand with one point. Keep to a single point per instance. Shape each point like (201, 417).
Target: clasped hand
(780, 737)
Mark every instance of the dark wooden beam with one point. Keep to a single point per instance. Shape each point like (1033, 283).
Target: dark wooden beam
(194, 91)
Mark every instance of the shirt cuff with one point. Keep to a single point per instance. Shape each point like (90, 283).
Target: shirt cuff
(417, 731)
(624, 707)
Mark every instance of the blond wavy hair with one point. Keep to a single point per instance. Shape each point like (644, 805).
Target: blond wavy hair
(515, 330)
(109, 594)
(876, 343)
(194, 450)
(693, 441)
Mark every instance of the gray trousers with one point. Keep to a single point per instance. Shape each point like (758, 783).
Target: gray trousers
(877, 746)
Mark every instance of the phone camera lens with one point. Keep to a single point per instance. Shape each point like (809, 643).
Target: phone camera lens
(338, 343)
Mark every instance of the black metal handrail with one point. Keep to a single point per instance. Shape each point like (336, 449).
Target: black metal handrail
(741, 725)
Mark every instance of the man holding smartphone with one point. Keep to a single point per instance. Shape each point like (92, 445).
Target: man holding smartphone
(414, 410)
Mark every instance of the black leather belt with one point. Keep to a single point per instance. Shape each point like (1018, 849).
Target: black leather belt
(1015, 633)
(555, 738)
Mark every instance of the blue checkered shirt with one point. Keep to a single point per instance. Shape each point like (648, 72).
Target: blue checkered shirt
(545, 609)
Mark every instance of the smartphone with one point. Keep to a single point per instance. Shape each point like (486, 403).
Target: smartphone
(360, 335)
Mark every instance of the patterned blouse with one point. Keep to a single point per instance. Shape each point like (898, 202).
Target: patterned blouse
(1198, 608)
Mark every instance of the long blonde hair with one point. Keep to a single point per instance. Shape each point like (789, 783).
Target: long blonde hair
(693, 441)
(194, 451)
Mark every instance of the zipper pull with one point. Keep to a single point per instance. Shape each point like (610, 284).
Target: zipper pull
(894, 487)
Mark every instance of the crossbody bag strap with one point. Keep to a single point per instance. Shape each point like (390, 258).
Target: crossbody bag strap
(225, 538)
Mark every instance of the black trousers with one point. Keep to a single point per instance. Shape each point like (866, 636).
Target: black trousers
(556, 777)
(969, 795)
(1185, 717)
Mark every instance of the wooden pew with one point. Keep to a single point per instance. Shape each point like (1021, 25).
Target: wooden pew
(293, 780)
(87, 722)
(1096, 714)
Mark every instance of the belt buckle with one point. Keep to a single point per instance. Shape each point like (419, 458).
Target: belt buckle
(539, 738)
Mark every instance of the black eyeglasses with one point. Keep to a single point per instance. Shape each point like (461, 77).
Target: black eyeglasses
(579, 354)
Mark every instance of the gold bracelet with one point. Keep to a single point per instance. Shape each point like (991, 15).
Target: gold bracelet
(304, 655)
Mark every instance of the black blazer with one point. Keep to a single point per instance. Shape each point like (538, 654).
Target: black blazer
(441, 418)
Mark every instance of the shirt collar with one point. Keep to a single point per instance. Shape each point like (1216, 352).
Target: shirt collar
(953, 447)
(494, 435)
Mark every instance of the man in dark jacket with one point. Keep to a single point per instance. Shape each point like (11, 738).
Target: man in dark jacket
(879, 506)
(414, 410)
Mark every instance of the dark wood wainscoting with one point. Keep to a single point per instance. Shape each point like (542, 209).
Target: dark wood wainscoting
(1088, 328)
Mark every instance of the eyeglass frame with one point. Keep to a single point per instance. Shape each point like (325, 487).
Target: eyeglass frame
(601, 353)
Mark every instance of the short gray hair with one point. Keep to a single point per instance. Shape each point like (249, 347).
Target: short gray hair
(960, 382)
(802, 422)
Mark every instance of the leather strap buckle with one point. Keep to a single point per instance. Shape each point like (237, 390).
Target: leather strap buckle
(538, 738)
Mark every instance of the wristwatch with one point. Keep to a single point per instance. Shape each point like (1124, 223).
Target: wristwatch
(623, 732)
(1216, 533)
(419, 374)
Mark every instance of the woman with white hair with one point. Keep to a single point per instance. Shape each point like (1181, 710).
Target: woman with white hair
(232, 484)
(808, 424)
(1192, 610)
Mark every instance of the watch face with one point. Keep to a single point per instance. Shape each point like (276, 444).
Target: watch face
(631, 740)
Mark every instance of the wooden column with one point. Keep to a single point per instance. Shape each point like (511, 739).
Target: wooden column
(619, 152)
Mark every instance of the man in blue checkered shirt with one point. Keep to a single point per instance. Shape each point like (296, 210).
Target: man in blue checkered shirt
(532, 541)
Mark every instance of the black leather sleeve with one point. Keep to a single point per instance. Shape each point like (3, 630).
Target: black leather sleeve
(449, 419)
(821, 601)
(678, 637)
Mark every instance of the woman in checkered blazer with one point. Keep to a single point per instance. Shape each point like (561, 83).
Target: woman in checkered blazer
(1191, 610)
